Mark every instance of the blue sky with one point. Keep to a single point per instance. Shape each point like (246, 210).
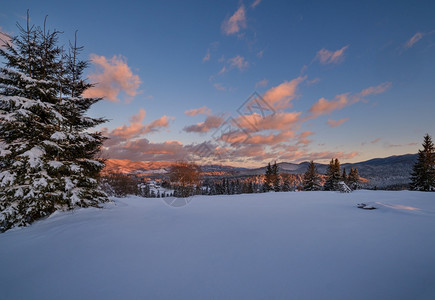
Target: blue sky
(346, 79)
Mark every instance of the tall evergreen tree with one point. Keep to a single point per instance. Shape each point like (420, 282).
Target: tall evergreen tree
(353, 179)
(344, 176)
(423, 172)
(276, 178)
(267, 185)
(311, 178)
(333, 176)
(47, 152)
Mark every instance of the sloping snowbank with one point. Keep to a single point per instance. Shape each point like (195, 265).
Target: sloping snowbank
(297, 245)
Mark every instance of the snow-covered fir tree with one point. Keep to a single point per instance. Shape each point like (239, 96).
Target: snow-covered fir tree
(333, 176)
(353, 179)
(47, 151)
(276, 178)
(311, 178)
(267, 185)
(423, 172)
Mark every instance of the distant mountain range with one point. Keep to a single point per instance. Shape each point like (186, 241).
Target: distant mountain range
(385, 172)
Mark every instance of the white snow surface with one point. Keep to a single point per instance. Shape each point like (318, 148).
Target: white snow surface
(295, 245)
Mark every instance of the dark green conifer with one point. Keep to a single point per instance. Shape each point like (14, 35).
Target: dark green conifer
(47, 152)
(423, 172)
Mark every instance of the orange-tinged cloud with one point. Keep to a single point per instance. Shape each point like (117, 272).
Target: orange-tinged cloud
(331, 57)
(373, 90)
(4, 38)
(324, 106)
(196, 111)
(136, 128)
(236, 22)
(207, 56)
(302, 138)
(211, 122)
(238, 62)
(336, 123)
(255, 3)
(280, 96)
(278, 121)
(414, 39)
(113, 77)
(261, 83)
(270, 139)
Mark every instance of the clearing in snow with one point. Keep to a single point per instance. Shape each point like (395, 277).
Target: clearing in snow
(296, 245)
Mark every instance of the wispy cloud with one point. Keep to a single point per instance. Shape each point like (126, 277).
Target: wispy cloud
(281, 121)
(373, 90)
(196, 111)
(255, 3)
(261, 83)
(113, 76)
(281, 95)
(207, 56)
(236, 22)
(325, 56)
(302, 138)
(238, 62)
(325, 106)
(4, 38)
(136, 128)
(414, 39)
(336, 123)
(219, 86)
(211, 122)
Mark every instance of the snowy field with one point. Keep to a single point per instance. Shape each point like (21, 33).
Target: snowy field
(297, 245)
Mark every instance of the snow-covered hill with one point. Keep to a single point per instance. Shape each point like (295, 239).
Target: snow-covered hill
(296, 245)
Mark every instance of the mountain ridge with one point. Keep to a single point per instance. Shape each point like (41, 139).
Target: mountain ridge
(380, 172)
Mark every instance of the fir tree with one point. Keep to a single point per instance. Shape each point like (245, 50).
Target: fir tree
(333, 176)
(353, 179)
(47, 152)
(423, 172)
(344, 176)
(267, 186)
(286, 184)
(311, 178)
(276, 179)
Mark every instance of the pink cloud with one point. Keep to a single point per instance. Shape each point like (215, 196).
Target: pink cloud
(414, 39)
(270, 139)
(331, 57)
(261, 83)
(375, 141)
(280, 96)
(255, 3)
(236, 22)
(196, 111)
(113, 77)
(4, 38)
(336, 123)
(219, 86)
(302, 138)
(373, 90)
(238, 62)
(278, 121)
(136, 128)
(324, 106)
(207, 56)
(211, 122)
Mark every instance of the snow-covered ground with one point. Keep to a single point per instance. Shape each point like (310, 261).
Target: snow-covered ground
(297, 245)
